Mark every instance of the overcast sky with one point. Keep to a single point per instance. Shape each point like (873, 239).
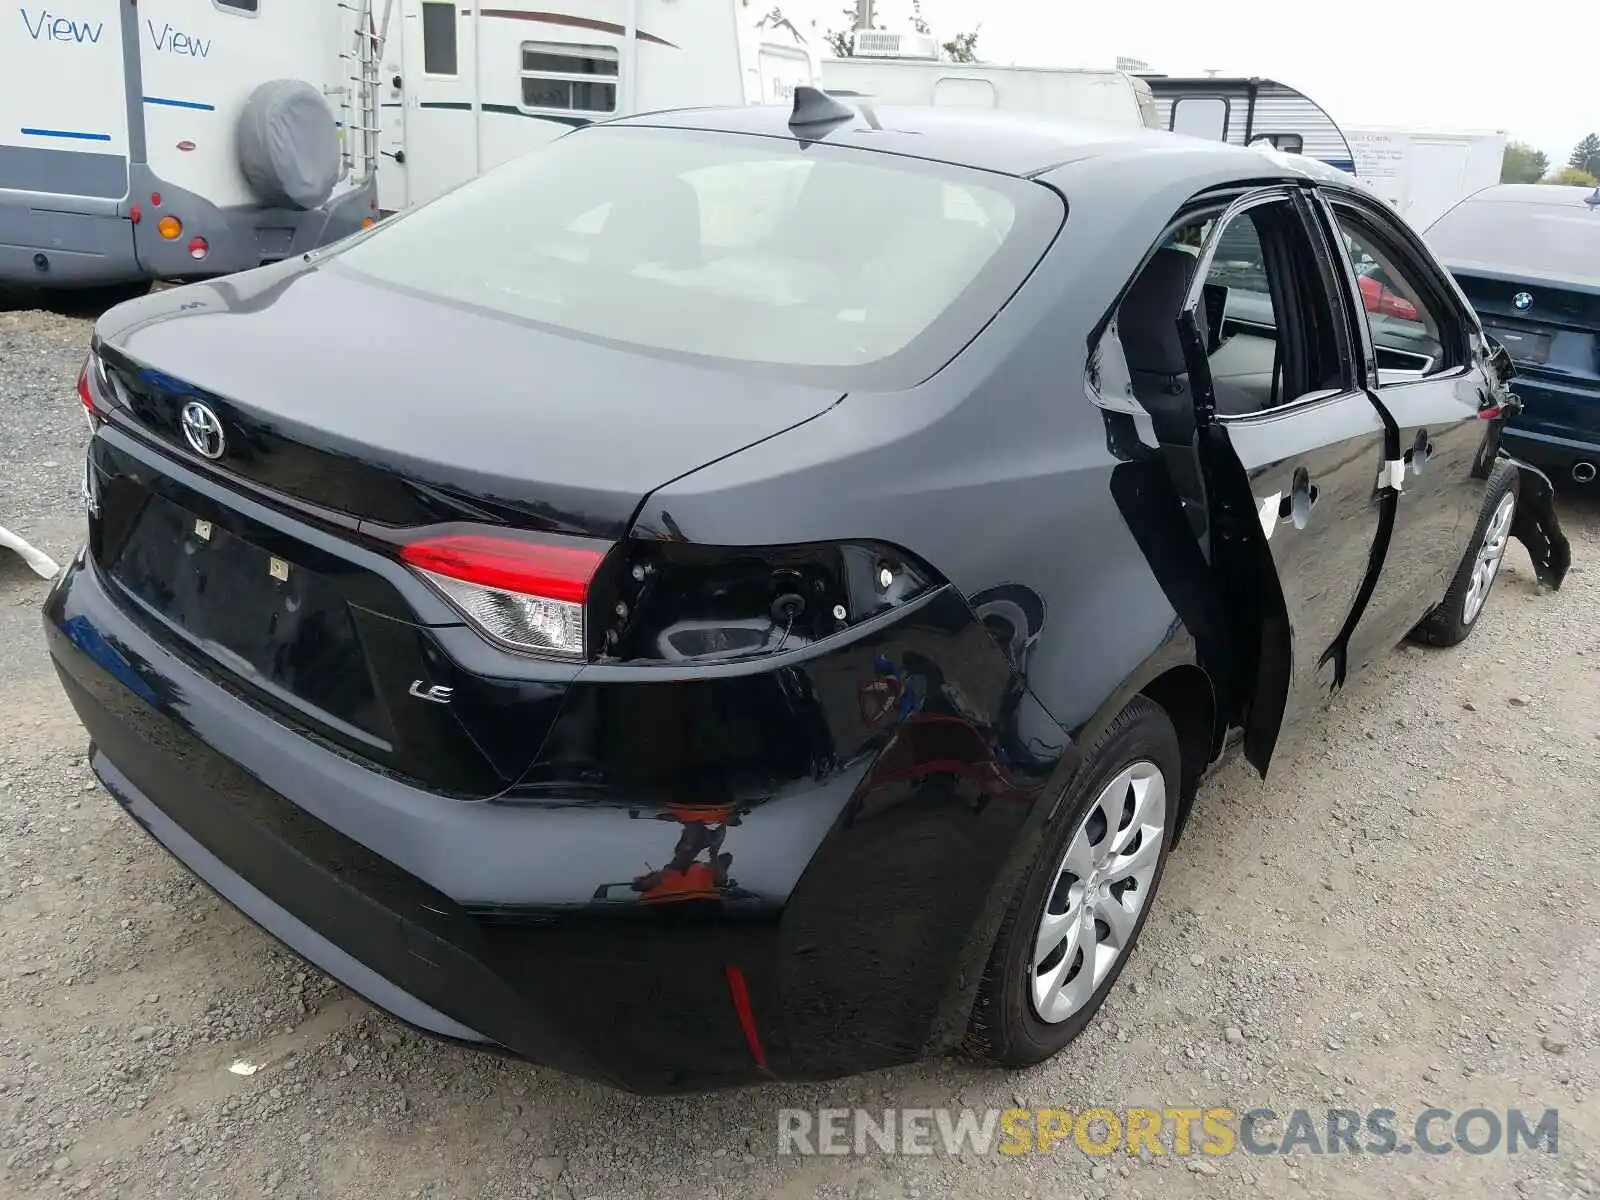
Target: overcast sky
(1529, 68)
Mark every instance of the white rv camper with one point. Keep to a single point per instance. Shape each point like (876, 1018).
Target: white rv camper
(1247, 111)
(467, 88)
(904, 69)
(1423, 173)
(180, 138)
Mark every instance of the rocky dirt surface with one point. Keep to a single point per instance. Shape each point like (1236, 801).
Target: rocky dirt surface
(1406, 916)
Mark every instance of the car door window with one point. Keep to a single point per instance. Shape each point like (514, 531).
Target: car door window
(1414, 335)
(1266, 314)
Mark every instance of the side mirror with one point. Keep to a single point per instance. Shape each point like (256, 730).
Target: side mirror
(1499, 360)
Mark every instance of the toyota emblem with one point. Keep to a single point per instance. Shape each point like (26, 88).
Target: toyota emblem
(1522, 300)
(202, 430)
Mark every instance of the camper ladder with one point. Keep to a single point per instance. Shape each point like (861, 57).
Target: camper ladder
(361, 97)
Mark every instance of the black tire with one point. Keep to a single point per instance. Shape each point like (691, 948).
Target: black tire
(1004, 1027)
(1449, 623)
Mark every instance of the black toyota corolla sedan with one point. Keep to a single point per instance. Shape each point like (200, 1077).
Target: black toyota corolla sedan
(752, 593)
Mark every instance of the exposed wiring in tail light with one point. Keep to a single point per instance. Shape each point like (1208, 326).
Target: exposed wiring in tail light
(677, 602)
(526, 592)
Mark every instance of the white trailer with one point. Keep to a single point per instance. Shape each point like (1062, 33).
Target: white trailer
(1424, 172)
(145, 139)
(466, 87)
(904, 69)
(1250, 110)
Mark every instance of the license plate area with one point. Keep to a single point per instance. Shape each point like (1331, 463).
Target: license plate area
(265, 618)
(1523, 345)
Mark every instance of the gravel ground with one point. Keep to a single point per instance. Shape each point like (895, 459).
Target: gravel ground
(1407, 916)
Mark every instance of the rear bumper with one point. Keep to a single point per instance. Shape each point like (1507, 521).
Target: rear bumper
(64, 241)
(270, 915)
(1555, 453)
(865, 900)
(238, 238)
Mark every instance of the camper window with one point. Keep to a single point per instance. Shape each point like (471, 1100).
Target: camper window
(438, 38)
(243, 8)
(1201, 117)
(569, 78)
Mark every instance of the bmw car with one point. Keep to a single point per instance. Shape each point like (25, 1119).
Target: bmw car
(1528, 258)
(752, 594)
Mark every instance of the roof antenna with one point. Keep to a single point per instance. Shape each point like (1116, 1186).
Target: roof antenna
(1592, 199)
(813, 106)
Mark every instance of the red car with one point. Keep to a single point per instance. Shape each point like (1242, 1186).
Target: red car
(1378, 297)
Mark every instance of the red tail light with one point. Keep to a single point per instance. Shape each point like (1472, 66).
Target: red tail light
(92, 388)
(526, 594)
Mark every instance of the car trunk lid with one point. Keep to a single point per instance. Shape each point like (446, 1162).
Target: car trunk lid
(273, 566)
(384, 406)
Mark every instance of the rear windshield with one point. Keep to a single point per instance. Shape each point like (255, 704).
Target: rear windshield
(745, 248)
(1514, 235)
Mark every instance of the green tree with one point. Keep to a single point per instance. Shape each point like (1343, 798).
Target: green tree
(963, 48)
(1571, 177)
(1586, 155)
(1523, 164)
(841, 41)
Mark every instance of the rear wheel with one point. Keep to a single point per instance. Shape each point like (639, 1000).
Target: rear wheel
(1074, 921)
(1458, 613)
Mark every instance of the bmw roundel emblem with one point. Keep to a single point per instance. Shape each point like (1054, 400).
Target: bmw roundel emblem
(203, 430)
(1522, 300)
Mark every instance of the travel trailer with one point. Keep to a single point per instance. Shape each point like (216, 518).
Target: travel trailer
(904, 68)
(164, 138)
(1424, 173)
(467, 88)
(1246, 110)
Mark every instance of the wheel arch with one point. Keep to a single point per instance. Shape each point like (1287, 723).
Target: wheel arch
(1189, 699)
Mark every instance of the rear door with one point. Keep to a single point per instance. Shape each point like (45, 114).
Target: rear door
(1423, 373)
(1293, 449)
(441, 116)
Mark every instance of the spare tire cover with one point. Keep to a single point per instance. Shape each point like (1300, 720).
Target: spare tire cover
(289, 144)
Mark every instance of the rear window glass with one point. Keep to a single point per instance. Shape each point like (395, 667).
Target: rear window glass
(1512, 235)
(753, 249)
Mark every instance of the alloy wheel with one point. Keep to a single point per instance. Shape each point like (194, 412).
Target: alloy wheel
(1490, 554)
(1101, 887)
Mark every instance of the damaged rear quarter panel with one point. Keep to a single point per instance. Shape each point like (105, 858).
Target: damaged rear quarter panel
(1000, 474)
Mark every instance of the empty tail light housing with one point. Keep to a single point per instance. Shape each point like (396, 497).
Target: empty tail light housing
(678, 603)
(529, 593)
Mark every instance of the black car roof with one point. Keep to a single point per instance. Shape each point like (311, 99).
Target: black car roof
(1009, 143)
